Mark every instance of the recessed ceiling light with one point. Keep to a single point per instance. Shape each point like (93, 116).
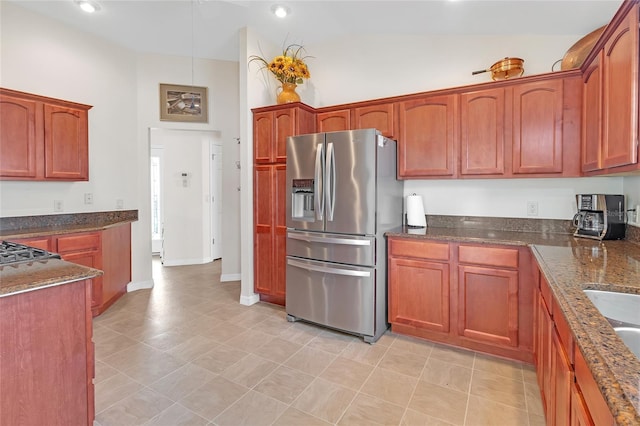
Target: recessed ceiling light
(88, 6)
(280, 11)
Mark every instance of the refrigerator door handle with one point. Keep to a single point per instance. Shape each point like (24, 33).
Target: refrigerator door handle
(330, 181)
(328, 240)
(319, 182)
(327, 270)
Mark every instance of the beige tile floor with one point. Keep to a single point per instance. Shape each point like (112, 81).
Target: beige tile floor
(187, 353)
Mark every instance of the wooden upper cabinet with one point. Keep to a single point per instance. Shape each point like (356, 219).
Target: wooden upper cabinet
(620, 94)
(333, 121)
(263, 130)
(482, 122)
(284, 127)
(426, 137)
(65, 143)
(42, 138)
(272, 127)
(537, 127)
(592, 115)
(18, 144)
(380, 117)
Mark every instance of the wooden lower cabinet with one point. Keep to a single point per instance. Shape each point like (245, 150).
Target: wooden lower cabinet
(579, 412)
(562, 371)
(270, 232)
(486, 306)
(420, 294)
(47, 357)
(108, 249)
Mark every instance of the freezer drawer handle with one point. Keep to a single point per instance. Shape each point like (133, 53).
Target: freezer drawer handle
(329, 240)
(336, 271)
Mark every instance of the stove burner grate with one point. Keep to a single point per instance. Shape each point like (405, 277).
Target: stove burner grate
(11, 253)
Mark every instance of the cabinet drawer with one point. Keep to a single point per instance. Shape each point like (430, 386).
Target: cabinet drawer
(77, 242)
(419, 249)
(492, 256)
(545, 292)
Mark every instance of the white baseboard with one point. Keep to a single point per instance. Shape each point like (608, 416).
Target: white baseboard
(141, 285)
(249, 300)
(230, 277)
(183, 262)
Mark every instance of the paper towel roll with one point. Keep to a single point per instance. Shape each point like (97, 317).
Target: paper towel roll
(415, 211)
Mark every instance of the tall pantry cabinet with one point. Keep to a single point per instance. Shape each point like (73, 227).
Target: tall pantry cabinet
(271, 128)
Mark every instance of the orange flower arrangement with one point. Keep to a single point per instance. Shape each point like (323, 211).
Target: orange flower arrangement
(288, 67)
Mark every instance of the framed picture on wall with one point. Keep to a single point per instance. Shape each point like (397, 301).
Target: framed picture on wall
(183, 103)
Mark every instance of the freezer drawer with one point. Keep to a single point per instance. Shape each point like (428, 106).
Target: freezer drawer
(337, 296)
(340, 248)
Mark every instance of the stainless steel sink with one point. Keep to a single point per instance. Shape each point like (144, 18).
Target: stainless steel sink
(621, 307)
(631, 337)
(622, 310)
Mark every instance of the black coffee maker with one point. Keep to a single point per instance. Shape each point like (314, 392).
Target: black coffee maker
(600, 216)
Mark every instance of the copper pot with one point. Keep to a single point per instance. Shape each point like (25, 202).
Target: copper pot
(504, 69)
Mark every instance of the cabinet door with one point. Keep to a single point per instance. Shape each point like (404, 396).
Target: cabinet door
(18, 143)
(579, 412)
(482, 120)
(66, 144)
(280, 231)
(263, 131)
(537, 127)
(620, 82)
(83, 249)
(427, 137)
(91, 259)
(378, 117)
(561, 379)
(544, 332)
(419, 294)
(263, 217)
(488, 305)
(592, 115)
(284, 127)
(334, 121)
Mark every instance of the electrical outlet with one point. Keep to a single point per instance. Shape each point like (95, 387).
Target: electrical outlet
(88, 198)
(119, 204)
(532, 208)
(58, 206)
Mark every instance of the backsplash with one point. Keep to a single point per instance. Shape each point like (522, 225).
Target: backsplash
(546, 226)
(10, 224)
(554, 226)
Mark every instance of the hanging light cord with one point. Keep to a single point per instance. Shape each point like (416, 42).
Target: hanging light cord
(192, 51)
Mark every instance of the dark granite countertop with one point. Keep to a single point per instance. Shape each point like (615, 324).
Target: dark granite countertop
(38, 226)
(571, 265)
(30, 276)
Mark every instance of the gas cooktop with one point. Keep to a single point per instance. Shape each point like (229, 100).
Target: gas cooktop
(12, 253)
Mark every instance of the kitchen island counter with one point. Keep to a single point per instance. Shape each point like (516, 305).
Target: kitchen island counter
(30, 276)
(571, 265)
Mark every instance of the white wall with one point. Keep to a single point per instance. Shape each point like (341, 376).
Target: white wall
(631, 186)
(221, 79)
(508, 197)
(363, 67)
(43, 56)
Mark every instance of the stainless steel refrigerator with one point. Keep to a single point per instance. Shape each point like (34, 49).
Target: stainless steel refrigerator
(342, 196)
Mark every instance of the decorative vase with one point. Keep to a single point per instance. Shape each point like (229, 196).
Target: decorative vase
(287, 94)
